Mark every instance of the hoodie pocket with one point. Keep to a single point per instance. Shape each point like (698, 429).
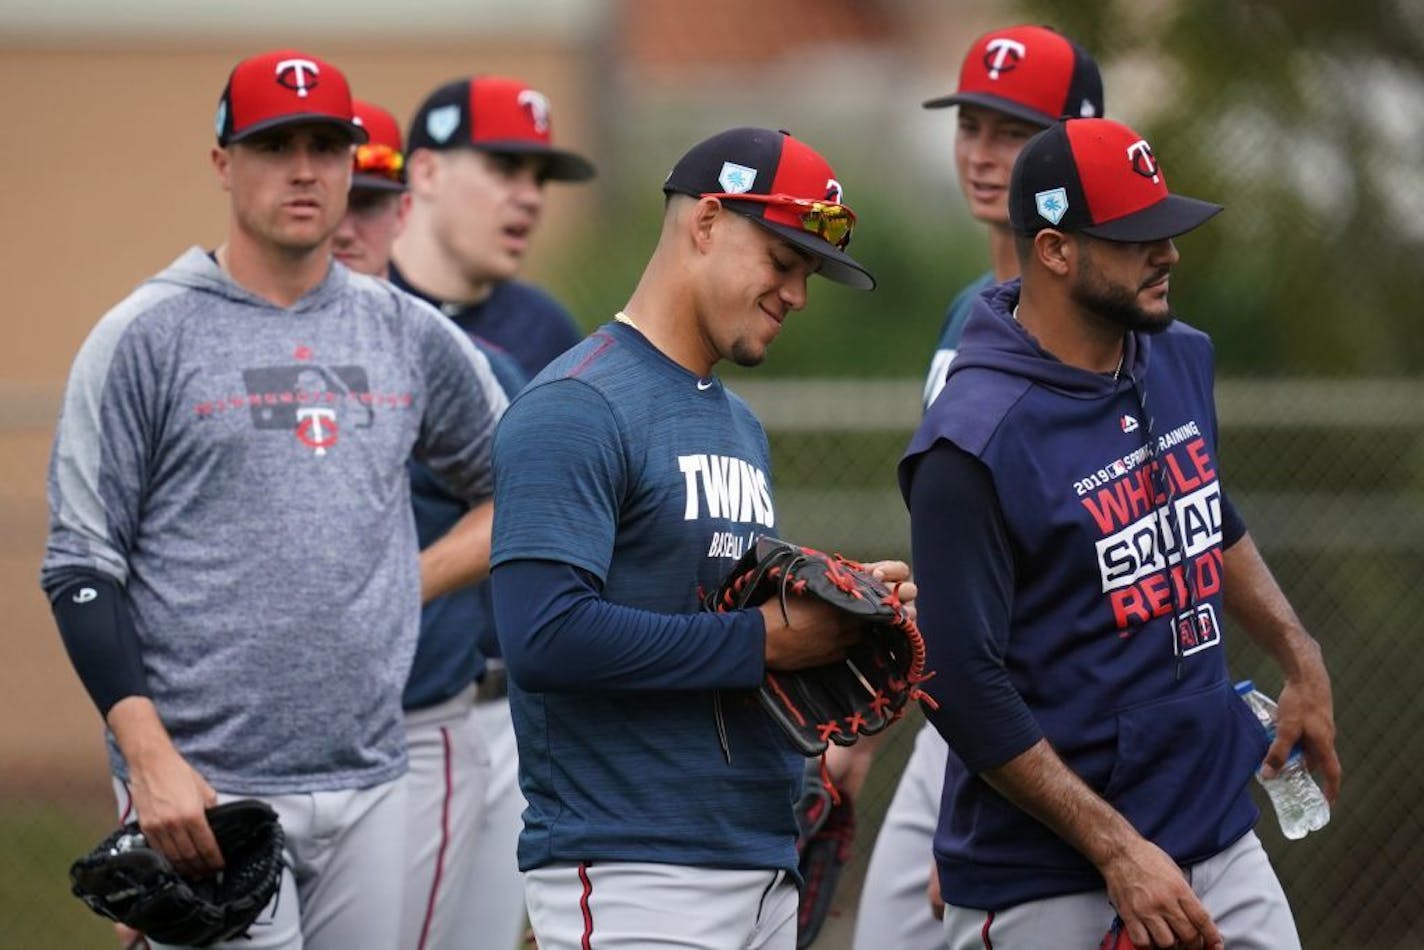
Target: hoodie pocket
(1182, 770)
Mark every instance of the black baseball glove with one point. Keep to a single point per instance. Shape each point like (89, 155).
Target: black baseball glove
(825, 825)
(842, 701)
(126, 880)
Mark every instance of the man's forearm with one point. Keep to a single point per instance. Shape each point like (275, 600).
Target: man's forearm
(1307, 709)
(138, 731)
(460, 557)
(1256, 602)
(1041, 783)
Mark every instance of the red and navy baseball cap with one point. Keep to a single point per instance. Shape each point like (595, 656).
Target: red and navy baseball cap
(380, 162)
(494, 114)
(280, 88)
(783, 185)
(1098, 177)
(1031, 73)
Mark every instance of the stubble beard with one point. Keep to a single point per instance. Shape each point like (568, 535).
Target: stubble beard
(1116, 304)
(744, 354)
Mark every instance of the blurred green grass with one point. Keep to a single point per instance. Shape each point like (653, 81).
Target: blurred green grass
(37, 911)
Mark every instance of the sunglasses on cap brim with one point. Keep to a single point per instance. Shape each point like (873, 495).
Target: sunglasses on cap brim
(380, 161)
(831, 222)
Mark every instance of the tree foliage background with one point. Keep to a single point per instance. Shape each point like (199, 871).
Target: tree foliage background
(1305, 120)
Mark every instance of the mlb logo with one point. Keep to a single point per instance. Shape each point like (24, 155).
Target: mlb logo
(1128, 423)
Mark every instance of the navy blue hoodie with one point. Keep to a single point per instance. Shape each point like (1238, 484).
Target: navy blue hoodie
(1111, 648)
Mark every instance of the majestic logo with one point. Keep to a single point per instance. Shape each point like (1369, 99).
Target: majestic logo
(834, 192)
(1139, 153)
(537, 105)
(1128, 423)
(723, 486)
(1002, 55)
(441, 123)
(84, 595)
(736, 179)
(1051, 204)
(298, 75)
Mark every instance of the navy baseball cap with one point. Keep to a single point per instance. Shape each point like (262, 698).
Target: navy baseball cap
(1029, 72)
(494, 114)
(1101, 178)
(783, 185)
(284, 87)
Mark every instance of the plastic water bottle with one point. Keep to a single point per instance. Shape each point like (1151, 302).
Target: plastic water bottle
(1299, 803)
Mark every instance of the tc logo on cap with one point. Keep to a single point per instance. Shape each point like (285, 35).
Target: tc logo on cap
(537, 105)
(1002, 54)
(1143, 161)
(298, 75)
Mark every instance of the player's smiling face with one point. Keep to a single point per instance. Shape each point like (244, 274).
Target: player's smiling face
(756, 281)
(488, 206)
(986, 143)
(288, 185)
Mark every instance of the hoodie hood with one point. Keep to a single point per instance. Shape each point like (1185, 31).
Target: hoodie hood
(195, 269)
(994, 340)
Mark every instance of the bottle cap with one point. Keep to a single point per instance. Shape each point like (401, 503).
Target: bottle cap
(1244, 687)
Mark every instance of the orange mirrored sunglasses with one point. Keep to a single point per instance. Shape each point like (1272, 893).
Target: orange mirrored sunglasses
(381, 161)
(832, 223)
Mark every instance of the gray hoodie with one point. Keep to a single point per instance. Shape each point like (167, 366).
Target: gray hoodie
(241, 469)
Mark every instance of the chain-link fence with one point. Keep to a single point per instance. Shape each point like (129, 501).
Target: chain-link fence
(1330, 478)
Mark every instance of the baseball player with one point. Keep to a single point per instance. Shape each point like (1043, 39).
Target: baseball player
(378, 204)
(628, 481)
(1013, 83)
(1076, 552)
(231, 559)
(481, 154)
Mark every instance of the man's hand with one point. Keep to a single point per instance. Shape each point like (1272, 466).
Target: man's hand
(896, 576)
(169, 796)
(932, 892)
(1305, 713)
(130, 939)
(810, 633)
(1154, 900)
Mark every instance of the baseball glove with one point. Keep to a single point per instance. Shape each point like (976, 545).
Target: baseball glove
(825, 824)
(1116, 938)
(842, 701)
(126, 880)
